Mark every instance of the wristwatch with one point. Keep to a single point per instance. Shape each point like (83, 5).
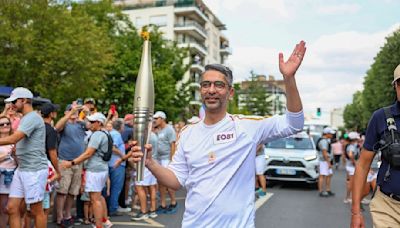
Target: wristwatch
(72, 162)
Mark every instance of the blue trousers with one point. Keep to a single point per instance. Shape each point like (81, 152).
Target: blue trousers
(117, 177)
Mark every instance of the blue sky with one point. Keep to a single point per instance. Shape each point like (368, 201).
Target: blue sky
(342, 38)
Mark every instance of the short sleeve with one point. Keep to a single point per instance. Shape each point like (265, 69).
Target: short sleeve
(323, 145)
(28, 125)
(179, 165)
(95, 140)
(51, 139)
(171, 135)
(372, 133)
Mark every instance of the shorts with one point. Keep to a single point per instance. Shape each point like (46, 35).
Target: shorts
(70, 181)
(29, 185)
(164, 162)
(372, 176)
(260, 164)
(324, 169)
(4, 189)
(350, 170)
(95, 181)
(148, 179)
(85, 197)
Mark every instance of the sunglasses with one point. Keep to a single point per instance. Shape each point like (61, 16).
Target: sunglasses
(5, 124)
(14, 101)
(95, 121)
(219, 85)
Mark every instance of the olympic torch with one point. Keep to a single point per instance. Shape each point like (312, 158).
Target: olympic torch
(143, 107)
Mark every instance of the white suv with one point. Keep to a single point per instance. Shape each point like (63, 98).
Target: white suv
(292, 159)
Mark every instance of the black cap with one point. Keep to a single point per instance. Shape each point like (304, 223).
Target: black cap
(48, 108)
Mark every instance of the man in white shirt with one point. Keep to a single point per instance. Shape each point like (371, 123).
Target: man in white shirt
(215, 158)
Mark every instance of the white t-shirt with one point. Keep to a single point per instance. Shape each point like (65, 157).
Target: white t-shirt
(216, 164)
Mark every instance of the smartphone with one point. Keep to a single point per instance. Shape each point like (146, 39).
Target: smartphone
(79, 101)
(113, 108)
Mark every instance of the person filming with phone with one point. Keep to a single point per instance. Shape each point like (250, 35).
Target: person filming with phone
(72, 144)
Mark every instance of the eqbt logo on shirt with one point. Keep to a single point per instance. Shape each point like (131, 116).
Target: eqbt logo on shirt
(224, 137)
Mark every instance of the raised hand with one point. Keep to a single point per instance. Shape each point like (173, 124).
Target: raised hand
(289, 68)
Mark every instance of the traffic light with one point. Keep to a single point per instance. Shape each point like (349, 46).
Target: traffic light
(319, 112)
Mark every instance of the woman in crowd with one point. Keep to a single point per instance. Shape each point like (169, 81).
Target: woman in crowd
(7, 166)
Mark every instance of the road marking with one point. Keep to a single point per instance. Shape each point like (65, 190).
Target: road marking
(263, 200)
(149, 223)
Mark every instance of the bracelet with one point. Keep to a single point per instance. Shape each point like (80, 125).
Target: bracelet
(356, 213)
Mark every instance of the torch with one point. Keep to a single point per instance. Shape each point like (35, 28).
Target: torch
(143, 107)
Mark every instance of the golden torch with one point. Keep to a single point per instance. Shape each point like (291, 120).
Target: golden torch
(143, 107)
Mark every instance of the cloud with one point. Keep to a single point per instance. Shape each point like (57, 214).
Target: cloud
(339, 9)
(333, 69)
(276, 7)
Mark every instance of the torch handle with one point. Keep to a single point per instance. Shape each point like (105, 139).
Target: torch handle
(142, 129)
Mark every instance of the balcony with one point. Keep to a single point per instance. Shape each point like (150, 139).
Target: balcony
(197, 67)
(194, 46)
(192, 28)
(225, 50)
(190, 9)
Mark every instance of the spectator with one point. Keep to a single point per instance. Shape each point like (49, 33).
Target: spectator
(117, 173)
(96, 168)
(30, 177)
(8, 165)
(72, 144)
(165, 150)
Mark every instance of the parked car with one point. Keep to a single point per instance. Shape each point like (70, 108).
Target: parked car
(294, 158)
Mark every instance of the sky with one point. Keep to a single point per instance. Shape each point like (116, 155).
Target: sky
(342, 39)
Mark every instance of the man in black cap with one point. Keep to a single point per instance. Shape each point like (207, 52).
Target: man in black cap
(49, 113)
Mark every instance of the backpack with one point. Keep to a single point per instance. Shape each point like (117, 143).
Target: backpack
(319, 149)
(107, 154)
(356, 155)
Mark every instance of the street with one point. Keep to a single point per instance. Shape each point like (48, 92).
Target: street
(285, 205)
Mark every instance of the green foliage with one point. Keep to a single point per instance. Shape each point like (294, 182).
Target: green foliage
(233, 104)
(50, 51)
(257, 100)
(378, 91)
(353, 117)
(67, 49)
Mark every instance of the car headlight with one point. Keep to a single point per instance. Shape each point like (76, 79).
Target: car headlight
(310, 157)
(266, 156)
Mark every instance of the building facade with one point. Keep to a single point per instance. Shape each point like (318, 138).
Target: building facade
(274, 89)
(191, 24)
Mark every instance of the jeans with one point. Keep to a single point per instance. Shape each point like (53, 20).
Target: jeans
(117, 177)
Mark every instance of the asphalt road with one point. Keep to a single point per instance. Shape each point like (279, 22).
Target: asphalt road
(286, 205)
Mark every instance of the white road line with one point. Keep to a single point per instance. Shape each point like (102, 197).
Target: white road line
(263, 200)
(150, 223)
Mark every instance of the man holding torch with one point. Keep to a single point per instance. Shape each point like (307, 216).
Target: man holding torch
(215, 158)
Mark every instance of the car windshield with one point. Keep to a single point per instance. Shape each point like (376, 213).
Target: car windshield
(291, 143)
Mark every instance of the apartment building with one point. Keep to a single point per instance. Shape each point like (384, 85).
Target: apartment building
(191, 24)
(275, 89)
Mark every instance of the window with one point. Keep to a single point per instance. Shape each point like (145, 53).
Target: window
(160, 20)
(139, 22)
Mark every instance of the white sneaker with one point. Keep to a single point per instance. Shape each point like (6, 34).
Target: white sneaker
(107, 224)
(124, 210)
(152, 214)
(140, 216)
(365, 201)
(347, 200)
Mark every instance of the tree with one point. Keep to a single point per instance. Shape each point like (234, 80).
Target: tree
(353, 117)
(167, 60)
(257, 99)
(51, 51)
(378, 91)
